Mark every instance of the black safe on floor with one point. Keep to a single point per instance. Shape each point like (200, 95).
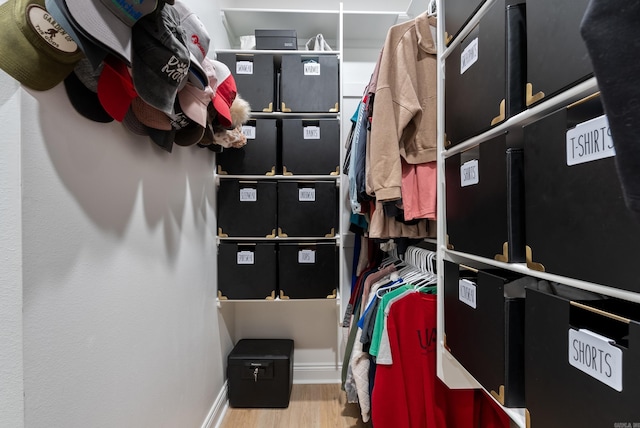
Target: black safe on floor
(260, 373)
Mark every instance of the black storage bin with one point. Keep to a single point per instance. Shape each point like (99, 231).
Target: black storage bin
(247, 270)
(260, 373)
(309, 83)
(484, 327)
(308, 270)
(577, 223)
(247, 208)
(258, 157)
(485, 199)
(566, 367)
(557, 57)
(276, 39)
(485, 74)
(255, 78)
(310, 146)
(307, 208)
(456, 15)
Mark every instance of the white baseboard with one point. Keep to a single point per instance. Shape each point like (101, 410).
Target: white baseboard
(316, 373)
(218, 409)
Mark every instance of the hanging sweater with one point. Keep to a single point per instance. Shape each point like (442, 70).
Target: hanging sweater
(404, 110)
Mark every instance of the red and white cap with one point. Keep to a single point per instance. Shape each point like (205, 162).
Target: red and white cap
(225, 93)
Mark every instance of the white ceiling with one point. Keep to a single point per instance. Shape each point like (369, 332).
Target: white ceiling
(351, 5)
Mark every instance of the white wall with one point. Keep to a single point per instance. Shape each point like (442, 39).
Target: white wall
(108, 270)
(11, 371)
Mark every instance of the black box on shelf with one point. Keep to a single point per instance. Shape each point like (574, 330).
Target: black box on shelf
(457, 14)
(247, 270)
(311, 147)
(258, 157)
(484, 327)
(307, 208)
(255, 78)
(247, 208)
(582, 359)
(577, 223)
(276, 39)
(309, 84)
(557, 57)
(485, 74)
(308, 270)
(485, 199)
(260, 373)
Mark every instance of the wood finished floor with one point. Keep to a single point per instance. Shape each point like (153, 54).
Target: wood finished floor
(311, 406)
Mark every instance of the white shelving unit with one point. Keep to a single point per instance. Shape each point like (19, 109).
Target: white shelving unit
(449, 370)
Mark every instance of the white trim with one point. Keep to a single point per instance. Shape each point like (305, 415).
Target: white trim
(218, 409)
(306, 373)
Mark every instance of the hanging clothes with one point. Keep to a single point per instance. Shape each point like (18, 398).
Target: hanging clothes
(404, 107)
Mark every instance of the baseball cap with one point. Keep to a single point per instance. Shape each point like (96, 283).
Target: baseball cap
(225, 93)
(59, 12)
(115, 88)
(149, 115)
(110, 21)
(160, 59)
(197, 41)
(34, 49)
(133, 125)
(82, 86)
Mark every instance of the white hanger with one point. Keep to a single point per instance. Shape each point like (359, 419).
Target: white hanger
(432, 8)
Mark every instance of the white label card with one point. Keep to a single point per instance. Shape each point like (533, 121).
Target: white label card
(244, 67)
(469, 173)
(311, 69)
(306, 256)
(469, 56)
(248, 194)
(589, 141)
(306, 194)
(245, 257)
(249, 132)
(594, 355)
(467, 292)
(311, 132)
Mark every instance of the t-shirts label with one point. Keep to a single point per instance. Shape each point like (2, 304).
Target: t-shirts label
(589, 141)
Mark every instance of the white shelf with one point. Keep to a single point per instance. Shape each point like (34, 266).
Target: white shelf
(279, 177)
(368, 29)
(278, 238)
(522, 268)
(307, 23)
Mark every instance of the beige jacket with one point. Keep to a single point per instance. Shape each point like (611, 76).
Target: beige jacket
(404, 107)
